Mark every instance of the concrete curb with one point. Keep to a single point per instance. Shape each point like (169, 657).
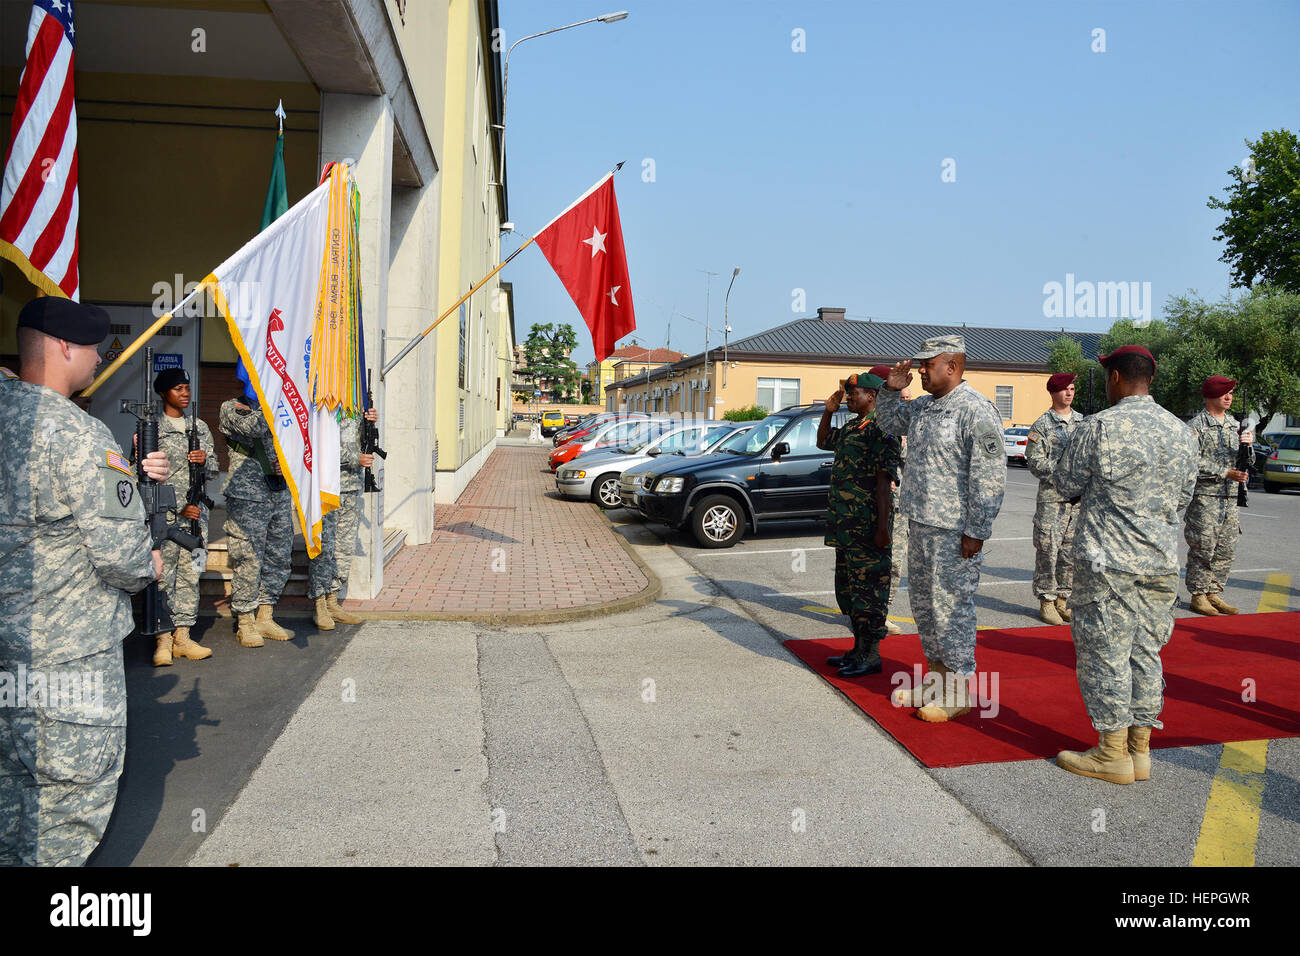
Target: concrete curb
(648, 594)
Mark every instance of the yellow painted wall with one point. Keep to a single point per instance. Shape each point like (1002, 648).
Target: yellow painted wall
(157, 200)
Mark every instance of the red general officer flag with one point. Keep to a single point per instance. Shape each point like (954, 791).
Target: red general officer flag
(584, 245)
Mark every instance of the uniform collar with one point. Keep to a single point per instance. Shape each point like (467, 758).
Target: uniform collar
(1134, 398)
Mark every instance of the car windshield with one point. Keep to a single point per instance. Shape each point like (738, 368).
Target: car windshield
(756, 439)
(1289, 443)
(1017, 431)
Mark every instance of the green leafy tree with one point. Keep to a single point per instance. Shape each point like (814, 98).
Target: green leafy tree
(546, 359)
(753, 413)
(1261, 233)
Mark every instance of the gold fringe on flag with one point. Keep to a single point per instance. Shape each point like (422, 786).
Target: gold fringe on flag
(334, 379)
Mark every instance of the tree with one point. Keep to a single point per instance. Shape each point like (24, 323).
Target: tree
(546, 359)
(1066, 355)
(1261, 233)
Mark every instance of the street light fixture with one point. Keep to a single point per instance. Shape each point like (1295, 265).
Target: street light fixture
(505, 79)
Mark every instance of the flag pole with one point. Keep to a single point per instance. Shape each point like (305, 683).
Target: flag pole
(135, 346)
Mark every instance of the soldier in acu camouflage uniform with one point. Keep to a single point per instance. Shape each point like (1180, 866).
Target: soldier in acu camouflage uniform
(74, 547)
(1054, 514)
(858, 518)
(259, 525)
(1212, 524)
(952, 490)
(1134, 464)
(329, 570)
(180, 573)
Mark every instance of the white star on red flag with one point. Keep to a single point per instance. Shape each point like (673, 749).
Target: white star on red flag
(597, 241)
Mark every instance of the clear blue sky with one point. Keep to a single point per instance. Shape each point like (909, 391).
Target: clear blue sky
(821, 170)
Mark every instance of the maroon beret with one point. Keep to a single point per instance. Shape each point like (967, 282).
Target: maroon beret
(1218, 385)
(1060, 380)
(1126, 350)
(881, 370)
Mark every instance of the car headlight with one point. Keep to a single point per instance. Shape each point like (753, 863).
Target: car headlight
(669, 486)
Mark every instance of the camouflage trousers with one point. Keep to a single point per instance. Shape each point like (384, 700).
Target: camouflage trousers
(942, 587)
(1054, 523)
(862, 585)
(260, 538)
(899, 556)
(1212, 529)
(180, 578)
(328, 572)
(1120, 622)
(59, 763)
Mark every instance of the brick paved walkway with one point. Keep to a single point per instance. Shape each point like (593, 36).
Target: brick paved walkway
(511, 549)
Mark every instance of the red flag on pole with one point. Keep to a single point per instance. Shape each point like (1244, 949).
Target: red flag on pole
(584, 245)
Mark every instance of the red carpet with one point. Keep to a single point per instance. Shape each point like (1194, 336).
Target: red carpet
(1033, 707)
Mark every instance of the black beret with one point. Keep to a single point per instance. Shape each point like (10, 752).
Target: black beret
(169, 378)
(64, 319)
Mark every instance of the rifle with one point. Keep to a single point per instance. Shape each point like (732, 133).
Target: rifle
(198, 493)
(158, 500)
(370, 438)
(1243, 458)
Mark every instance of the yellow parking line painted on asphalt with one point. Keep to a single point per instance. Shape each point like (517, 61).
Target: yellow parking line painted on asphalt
(818, 609)
(1277, 594)
(1230, 827)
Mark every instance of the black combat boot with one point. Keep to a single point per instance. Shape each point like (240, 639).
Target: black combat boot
(839, 660)
(865, 656)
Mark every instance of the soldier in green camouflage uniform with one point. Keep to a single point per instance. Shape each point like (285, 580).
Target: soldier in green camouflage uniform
(1054, 514)
(1134, 464)
(898, 525)
(858, 518)
(181, 569)
(259, 524)
(1212, 525)
(952, 490)
(329, 570)
(74, 547)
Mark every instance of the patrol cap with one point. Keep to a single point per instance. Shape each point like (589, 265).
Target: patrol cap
(64, 319)
(1216, 386)
(1060, 380)
(864, 380)
(881, 370)
(169, 378)
(1126, 350)
(943, 343)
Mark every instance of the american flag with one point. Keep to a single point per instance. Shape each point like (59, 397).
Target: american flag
(38, 196)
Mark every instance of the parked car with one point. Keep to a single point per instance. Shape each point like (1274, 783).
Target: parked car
(595, 474)
(1015, 440)
(612, 434)
(772, 472)
(629, 482)
(552, 422)
(1282, 467)
(584, 428)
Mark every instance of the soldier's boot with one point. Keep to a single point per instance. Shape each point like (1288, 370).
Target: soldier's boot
(1047, 612)
(1063, 609)
(1201, 605)
(268, 628)
(1109, 760)
(903, 697)
(1222, 606)
(162, 655)
(892, 628)
(865, 656)
(183, 646)
(955, 698)
(1139, 748)
(337, 612)
(839, 660)
(321, 615)
(246, 632)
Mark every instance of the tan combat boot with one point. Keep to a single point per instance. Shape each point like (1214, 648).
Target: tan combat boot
(1222, 606)
(1201, 605)
(1062, 608)
(337, 612)
(911, 698)
(321, 615)
(954, 699)
(268, 628)
(1109, 760)
(247, 634)
(162, 655)
(1047, 612)
(182, 646)
(892, 628)
(1139, 748)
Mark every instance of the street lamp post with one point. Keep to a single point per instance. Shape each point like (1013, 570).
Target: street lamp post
(726, 326)
(505, 79)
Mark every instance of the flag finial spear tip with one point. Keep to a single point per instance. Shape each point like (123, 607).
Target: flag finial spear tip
(619, 166)
(279, 112)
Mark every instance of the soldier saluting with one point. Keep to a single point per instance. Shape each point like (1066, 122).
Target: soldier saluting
(1054, 514)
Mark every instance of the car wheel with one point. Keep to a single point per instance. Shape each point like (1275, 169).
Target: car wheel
(1272, 487)
(604, 491)
(718, 522)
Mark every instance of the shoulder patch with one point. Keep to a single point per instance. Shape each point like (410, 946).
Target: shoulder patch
(121, 499)
(991, 445)
(1031, 437)
(115, 460)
